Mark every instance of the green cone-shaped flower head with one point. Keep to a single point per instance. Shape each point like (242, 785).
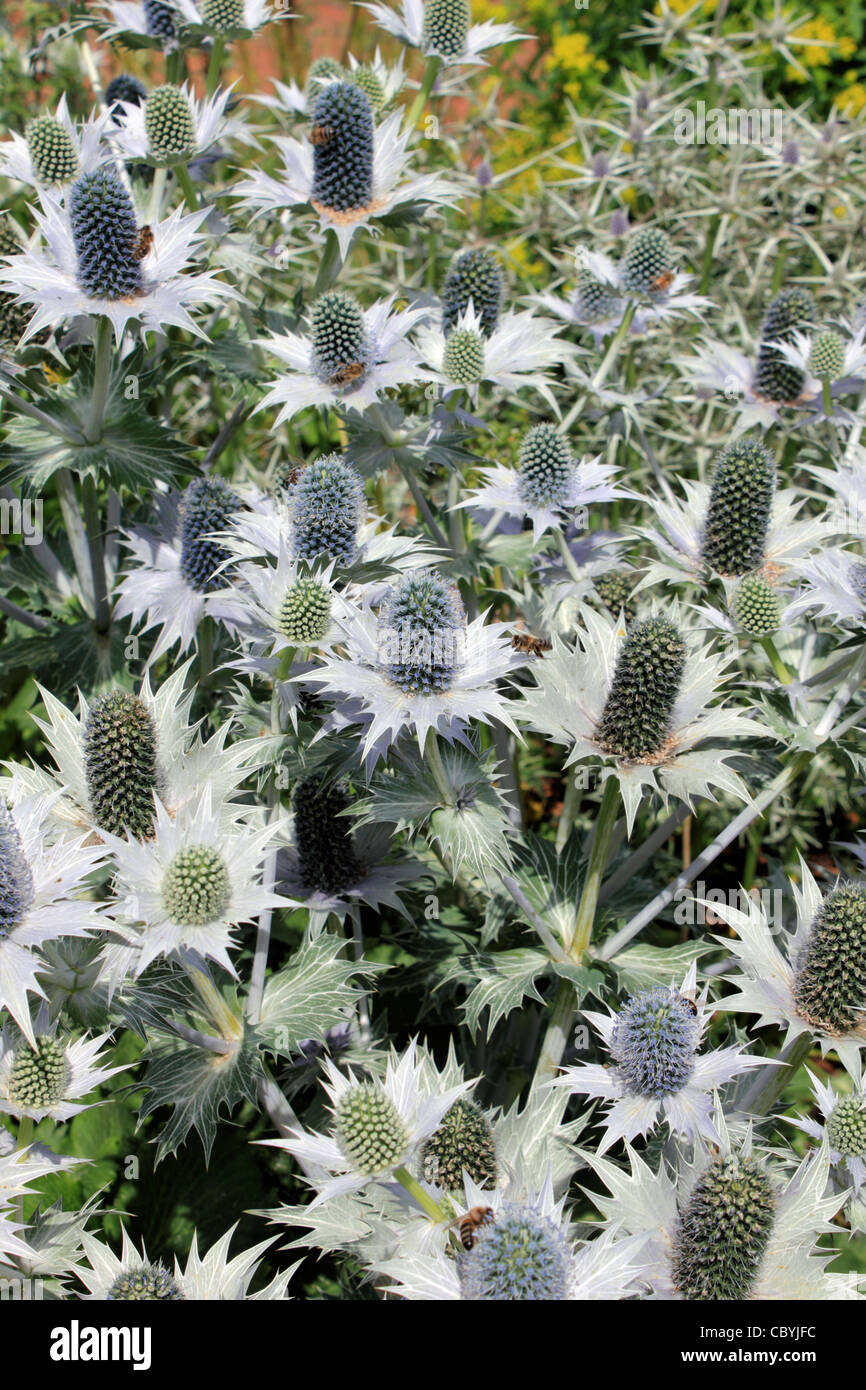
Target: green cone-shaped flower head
(724, 1230)
(463, 1141)
(741, 502)
(169, 125)
(149, 1284)
(52, 150)
(635, 721)
(371, 84)
(341, 346)
(827, 358)
(830, 983)
(422, 625)
(370, 1130)
(222, 16)
(846, 1126)
(14, 318)
(105, 232)
(475, 277)
(446, 24)
(648, 265)
(615, 590)
(757, 610)
(38, 1078)
(120, 764)
(343, 143)
(305, 612)
(463, 358)
(545, 467)
(326, 855)
(196, 887)
(777, 379)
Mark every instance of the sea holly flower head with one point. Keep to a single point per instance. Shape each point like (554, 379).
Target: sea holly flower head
(377, 1125)
(642, 703)
(842, 1127)
(519, 1256)
(776, 378)
(740, 505)
(658, 1072)
(326, 855)
(755, 606)
(809, 980)
(55, 150)
(132, 1276)
(606, 290)
(91, 262)
(327, 508)
(231, 19)
(462, 1144)
(48, 1079)
(172, 126)
(648, 267)
(443, 29)
(120, 763)
(475, 278)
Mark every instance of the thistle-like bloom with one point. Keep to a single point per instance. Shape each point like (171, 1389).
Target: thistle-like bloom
(123, 749)
(523, 1252)
(520, 352)
(842, 1127)
(658, 1071)
(474, 280)
(548, 486)
(50, 1078)
(173, 127)
(833, 585)
(351, 170)
(147, 23)
(187, 888)
(827, 356)
(641, 705)
(232, 19)
(726, 1227)
(89, 263)
(738, 523)
(177, 568)
(809, 981)
(378, 1126)
(463, 1143)
(54, 150)
(444, 29)
(18, 1169)
(40, 883)
(132, 1277)
(419, 666)
(349, 356)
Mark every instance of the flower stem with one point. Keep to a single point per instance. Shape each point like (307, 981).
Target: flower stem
(25, 1131)
(329, 267)
(433, 758)
(423, 506)
(616, 343)
(214, 67)
(101, 380)
(157, 194)
(181, 173)
(424, 1200)
(570, 803)
(771, 1082)
(77, 536)
(778, 665)
(430, 73)
(826, 398)
(568, 558)
(93, 525)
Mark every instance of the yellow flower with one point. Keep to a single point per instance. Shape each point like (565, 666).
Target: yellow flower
(846, 46)
(853, 99)
(518, 254)
(680, 7)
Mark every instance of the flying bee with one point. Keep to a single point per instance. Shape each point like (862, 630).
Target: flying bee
(143, 244)
(321, 134)
(534, 646)
(471, 1222)
(664, 281)
(348, 373)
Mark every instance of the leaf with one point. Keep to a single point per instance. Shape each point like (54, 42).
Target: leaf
(642, 966)
(199, 1085)
(69, 656)
(311, 995)
(509, 979)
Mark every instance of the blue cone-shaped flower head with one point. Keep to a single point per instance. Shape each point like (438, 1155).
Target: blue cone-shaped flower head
(208, 506)
(475, 277)
(326, 855)
(327, 510)
(724, 1230)
(776, 378)
(342, 138)
(545, 467)
(654, 1042)
(159, 19)
(519, 1256)
(105, 232)
(422, 625)
(16, 880)
(124, 87)
(148, 1284)
(341, 346)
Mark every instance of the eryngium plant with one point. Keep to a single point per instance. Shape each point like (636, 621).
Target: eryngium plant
(635, 722)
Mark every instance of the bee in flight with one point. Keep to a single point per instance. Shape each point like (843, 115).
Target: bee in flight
(470, 1223)
(321, 134)
(143, 244)
(348, 373)
(534, 646)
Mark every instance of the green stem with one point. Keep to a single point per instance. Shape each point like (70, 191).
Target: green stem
(769, 1085)
(181, 173)
(570, 803)
(423, 506)
(214, 67)
(157, 193)
(205, 650)
(568, 559)
(101, 380)
(329, 267)
(709, 246)
(93, 525)
(433, 758)
(415, 110)
(77, 535)
(424, 1200)
(778, 665)
(616, 343)
(26, 1127)
(826, 398)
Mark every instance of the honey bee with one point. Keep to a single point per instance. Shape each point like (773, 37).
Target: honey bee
(292, 478)
(534, 646)
(469, 1224)
(321, 134)
(348, 373)
(664, 281)
(689, 1003)
(143, 244)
